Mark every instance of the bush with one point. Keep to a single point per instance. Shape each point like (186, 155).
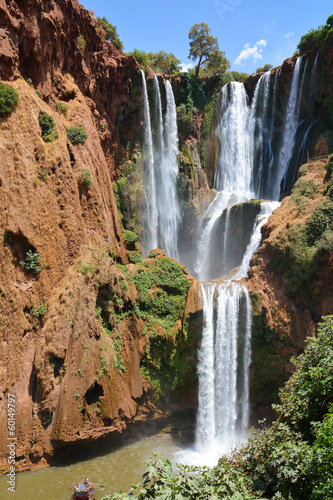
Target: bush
(264, 68)
(9, 98)
(76, 135)
(62, 107)
(141, 56)
(85, 178)
(48, 127)
(30, 262)
(81, 43)
(320, 221)
(110, 33)
(130, 238)
(38, 311)
(187, 119)
(134, 257)
(315, 39)
(42, 174)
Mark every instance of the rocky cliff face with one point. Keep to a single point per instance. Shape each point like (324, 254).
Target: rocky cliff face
(73, 335)
(290, 281)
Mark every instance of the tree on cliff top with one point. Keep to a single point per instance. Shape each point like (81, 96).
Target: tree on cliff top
(163, 62)
(264, 68)
(203, 45)
(110, 33)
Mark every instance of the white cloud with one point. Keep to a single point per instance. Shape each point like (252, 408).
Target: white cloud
(289, 34)
(185, 67)
(255, 52)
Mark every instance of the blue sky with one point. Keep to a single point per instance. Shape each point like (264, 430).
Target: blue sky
(251, 32)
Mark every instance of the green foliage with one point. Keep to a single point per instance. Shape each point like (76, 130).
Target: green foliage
(187, 118)
(141, 56)
(205, 47)
(9, 97)
(298, 251)
(118, 360)
(61, 107)
(316, 39)
(30, 262)
(162, 481)
(81, 43)
(319, 221)
(323, 451)
(163, 62)
(48, 127)
(85, 177)
(197, 90)
(309, 392)
(264, 68)
(238, 77)
(293, 459)
(42, 174)
(110, 33)
(130, 237)
(38, 311)
(76, 135)
(134, 257)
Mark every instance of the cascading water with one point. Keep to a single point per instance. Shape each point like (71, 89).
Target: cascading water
(150, 239)
(160, 173)
(291, 120)
(223, 367)
(168, 204)
(249, 168)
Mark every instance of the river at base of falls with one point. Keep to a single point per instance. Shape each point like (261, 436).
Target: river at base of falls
(115, 470)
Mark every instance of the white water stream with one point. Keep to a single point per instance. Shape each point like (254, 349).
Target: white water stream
(160, 174)
(246, 170)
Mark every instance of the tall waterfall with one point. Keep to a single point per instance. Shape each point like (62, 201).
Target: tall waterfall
(168, 204)
(224, 360)
(291, 120)
(251, 169)
(161, 172)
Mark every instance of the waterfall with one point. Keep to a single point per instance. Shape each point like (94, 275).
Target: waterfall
(149, 177)
(160, 173)
(169, 210)
(266, 209)
(301, 89)
(259, 136)
(223, 367)
(233, 173)
(291, 119)
(248, 168)
(313, 76)
(206, 415)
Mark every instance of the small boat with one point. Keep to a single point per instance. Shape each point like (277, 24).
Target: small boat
(83, 491)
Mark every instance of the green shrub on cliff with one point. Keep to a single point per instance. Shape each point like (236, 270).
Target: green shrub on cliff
(48, 127)
(110, 32)
(187, 118)
(315, 39)
(85, 178)
(76, 135)
(9, 98)
(31, 261)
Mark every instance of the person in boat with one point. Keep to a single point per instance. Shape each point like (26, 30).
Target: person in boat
(86, 482)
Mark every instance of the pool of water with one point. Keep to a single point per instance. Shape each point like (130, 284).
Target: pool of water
(112, 471)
